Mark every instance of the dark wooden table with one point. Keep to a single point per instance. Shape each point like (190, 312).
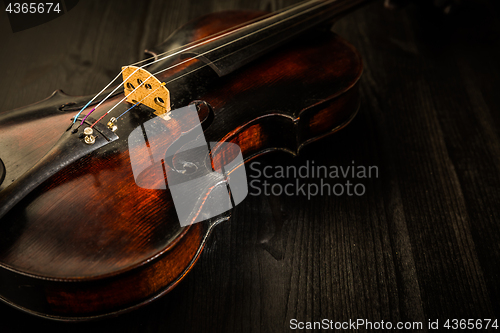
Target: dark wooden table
(421, 244)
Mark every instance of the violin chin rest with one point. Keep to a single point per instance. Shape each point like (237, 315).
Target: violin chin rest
(2, 171)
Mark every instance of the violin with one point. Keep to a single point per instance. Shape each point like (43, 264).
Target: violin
(80, 225)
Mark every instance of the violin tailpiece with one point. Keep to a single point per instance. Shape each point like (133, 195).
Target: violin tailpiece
(142, 87)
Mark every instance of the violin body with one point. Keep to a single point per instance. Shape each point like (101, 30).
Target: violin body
(88, 242)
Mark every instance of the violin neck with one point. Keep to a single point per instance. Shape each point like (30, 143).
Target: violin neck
(233, 50)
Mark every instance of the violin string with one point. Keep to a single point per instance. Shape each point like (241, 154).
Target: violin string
(106, 87)
(268, 36)
(222, 33)
(163, 56)
(320, 3)
(99, 104)
(198, 68)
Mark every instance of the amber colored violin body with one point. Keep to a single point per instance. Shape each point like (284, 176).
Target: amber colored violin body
(88, 242)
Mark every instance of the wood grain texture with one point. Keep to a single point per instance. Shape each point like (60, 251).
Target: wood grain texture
(422, 243)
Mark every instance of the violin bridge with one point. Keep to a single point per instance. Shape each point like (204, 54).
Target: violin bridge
(142, 87)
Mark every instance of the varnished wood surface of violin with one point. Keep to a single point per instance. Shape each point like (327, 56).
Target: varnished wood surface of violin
(87, 231)
(420, 244)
